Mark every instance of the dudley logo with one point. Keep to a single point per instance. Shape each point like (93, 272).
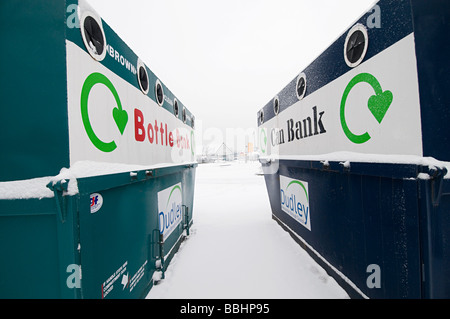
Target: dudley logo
(378, 105)
(294, 199)
(120, 116)
(170, 211)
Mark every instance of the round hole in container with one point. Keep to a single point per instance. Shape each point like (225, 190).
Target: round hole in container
(159, 93)
(184, 115)
(356, 45)
(176, 109)
(93, 35)
(261, 117)
(143, 77)
(193, 122)
(276, 105)
(301, 86)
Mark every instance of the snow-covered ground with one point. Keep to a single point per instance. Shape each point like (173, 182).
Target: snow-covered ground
(236, 250)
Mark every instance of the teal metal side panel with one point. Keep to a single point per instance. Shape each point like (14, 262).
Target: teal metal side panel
(119, 243)
(188, 199)
(28, 255)
(36, 248)
(115, 242)
(33, 90)
(71, 251)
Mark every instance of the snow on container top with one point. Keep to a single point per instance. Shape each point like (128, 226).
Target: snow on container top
(73, 91)
(380, 88)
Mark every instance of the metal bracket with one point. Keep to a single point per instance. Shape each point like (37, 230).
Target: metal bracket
(186, 219)
(58, 188)
(434, 177)
(437, 177)
(159, 265)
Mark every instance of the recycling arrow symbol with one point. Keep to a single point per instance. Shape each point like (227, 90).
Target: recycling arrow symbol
(120, 116)
(378, 105)
(263, 141)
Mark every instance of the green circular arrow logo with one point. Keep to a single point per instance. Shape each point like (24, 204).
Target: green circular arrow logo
(192, 143)
(263, 141)
(378, 105)
(120, 116)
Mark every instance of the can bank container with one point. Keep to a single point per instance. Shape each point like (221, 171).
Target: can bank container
(356, 151)
(98, 169)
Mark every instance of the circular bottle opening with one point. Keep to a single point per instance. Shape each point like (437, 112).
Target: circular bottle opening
(93, 36)
(159, 93)
(356, 45)
(184, 115)
(301, 86)
(261, 117)
(142, 76)
(276, 105)
(176, 110)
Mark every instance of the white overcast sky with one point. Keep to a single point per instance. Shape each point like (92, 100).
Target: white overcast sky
(225, 59)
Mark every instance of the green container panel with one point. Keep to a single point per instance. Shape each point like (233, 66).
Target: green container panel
(115, 248)
(33, 89)
(36, 248)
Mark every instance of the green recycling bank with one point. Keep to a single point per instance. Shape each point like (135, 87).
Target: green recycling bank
(98, 166)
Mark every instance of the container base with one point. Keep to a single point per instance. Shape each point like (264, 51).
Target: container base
(344, 282)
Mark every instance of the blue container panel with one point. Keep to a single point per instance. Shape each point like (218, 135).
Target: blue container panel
(359, 220)
(435, 225)
(431, 25)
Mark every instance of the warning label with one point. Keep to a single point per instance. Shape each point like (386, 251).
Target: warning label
(137, 276)
(108, 285)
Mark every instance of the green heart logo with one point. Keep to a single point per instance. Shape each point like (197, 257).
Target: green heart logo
(121, 119)
(379, 104)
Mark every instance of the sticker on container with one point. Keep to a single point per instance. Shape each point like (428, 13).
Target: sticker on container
(96, 202)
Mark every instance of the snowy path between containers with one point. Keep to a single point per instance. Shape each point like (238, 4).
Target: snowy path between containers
(236, 250)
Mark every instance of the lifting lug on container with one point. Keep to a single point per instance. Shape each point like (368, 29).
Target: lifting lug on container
(437, 176)
(134, 176)
(326, 165)
(159, 263)
(58, 189)
(346, 166)
(265, 161)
